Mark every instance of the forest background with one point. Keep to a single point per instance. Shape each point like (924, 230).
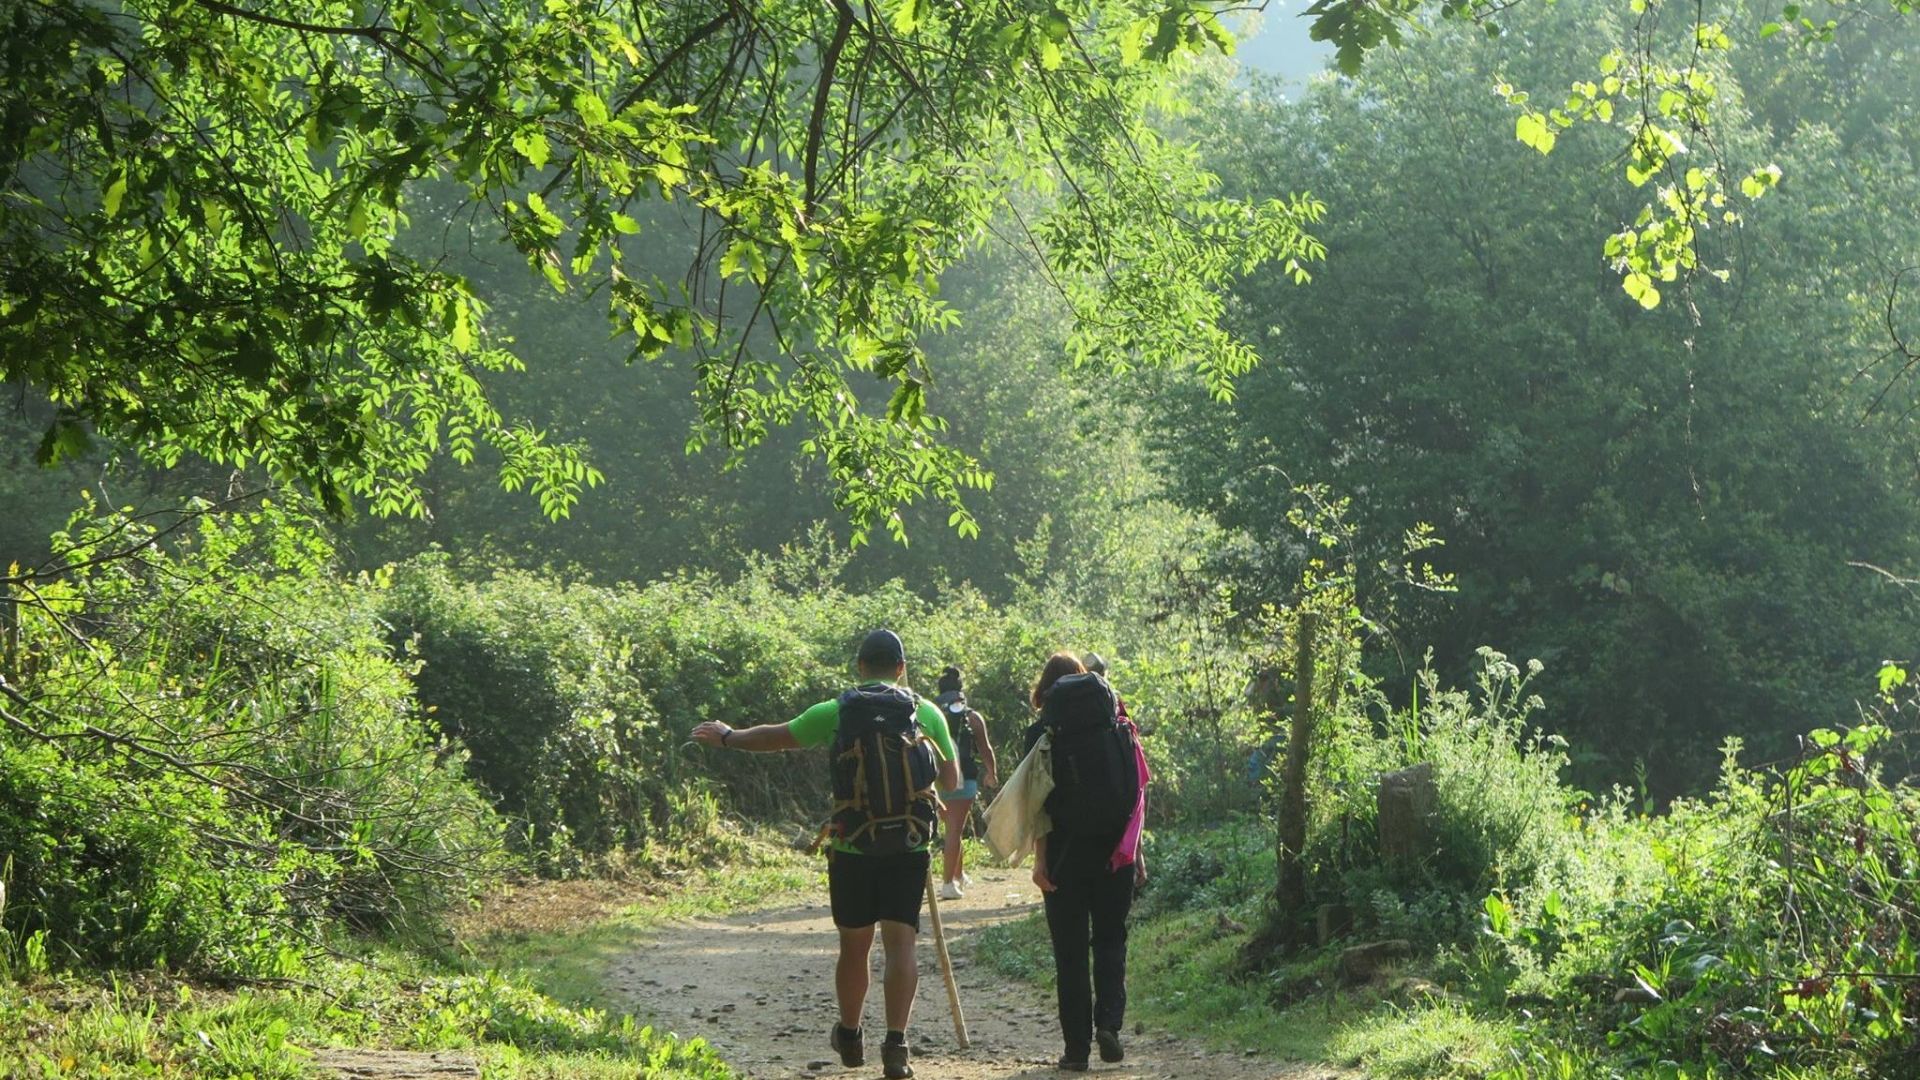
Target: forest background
(252, 721)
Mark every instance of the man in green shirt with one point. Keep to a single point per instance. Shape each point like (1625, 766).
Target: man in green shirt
(865, 890)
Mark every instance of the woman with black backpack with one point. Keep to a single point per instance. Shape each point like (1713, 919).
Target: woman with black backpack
(1088, 864)
(978, 768)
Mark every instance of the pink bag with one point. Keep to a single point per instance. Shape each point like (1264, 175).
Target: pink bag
(1129, 848)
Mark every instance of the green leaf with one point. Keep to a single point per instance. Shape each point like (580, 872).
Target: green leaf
(735, 257)
(592, 110)
(549, 221)
(1499, 915)
(532, 144)
(461, 335)
(1641, 288)
(66, 438)
(910, 14)
(1531, 129)
(1767, 30)
(908, 403)
(1760, 181)
(1133, 41)
(111, 198)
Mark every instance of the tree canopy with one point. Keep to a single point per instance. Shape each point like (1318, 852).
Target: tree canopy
(1661, 505)
(204, 244)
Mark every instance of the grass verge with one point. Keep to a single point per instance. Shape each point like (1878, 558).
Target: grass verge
(1187, 935)
(518, 989)
(1180, 977)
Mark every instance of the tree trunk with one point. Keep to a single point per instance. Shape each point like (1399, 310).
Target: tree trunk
(1291, 890)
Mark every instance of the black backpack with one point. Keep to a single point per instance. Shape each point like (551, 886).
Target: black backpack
(884, 770)
(960, 730)
(1096, 782)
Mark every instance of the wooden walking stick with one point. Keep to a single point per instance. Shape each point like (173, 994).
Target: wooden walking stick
(946, 962)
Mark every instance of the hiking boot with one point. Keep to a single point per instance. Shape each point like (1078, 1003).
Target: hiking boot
(951, 891)
(1071, 1064)
(893, 1055)
(1110, 1048)
(847, 1041)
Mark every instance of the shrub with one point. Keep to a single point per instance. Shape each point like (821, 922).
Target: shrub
(1500, 819)
(574, 700)
(111, 879)
(1768, 926)
(208, 752)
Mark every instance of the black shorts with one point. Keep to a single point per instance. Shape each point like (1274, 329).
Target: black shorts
(867, 888)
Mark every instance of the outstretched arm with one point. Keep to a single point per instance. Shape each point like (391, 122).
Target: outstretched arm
(764, 737)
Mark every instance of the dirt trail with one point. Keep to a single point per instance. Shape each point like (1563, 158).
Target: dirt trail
(759, 987)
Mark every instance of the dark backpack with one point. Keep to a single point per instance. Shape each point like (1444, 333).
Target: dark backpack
(883, 769)
(960, 730)
(1096, 782)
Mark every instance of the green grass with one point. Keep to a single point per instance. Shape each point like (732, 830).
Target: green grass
(1430, 1041)
(1179, 978)
(1183, 974)
(522, 999)
(69, 1026)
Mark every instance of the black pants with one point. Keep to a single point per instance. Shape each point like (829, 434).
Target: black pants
(1088, 896)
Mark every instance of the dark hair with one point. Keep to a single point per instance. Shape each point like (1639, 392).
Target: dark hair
(1059, 665)
(950, 680)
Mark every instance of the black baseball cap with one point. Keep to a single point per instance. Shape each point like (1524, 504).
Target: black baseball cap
(881, 649)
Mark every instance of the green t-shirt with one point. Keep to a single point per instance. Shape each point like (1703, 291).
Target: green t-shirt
(816, 726)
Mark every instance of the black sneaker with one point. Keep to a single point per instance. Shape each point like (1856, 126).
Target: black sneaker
(1110, 1048)
(853, 1050)
(1069, 1064)
(893, 1056)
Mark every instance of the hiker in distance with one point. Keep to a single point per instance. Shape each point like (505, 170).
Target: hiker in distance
(1089, 864)
(978, 768)
(1094, 663)
(878, 833)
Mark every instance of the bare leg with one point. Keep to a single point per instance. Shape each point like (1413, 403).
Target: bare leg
(902, 974)
(850, 974)
(955, 813)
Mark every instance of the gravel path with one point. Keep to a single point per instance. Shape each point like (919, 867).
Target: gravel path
(758, 986)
